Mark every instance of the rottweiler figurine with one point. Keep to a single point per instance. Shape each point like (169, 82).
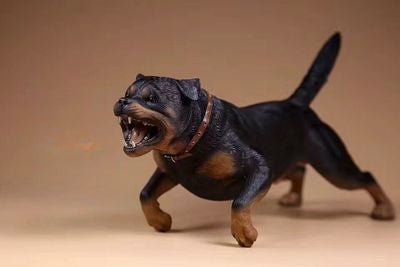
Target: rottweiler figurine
(219, 151)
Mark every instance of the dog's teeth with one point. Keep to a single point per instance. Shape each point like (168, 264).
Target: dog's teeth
(133, 143)
(129, 120)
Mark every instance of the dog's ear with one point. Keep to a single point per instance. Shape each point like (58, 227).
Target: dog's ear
(139, 76)
(189, 88)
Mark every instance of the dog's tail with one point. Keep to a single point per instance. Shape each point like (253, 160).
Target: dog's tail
(318, 73)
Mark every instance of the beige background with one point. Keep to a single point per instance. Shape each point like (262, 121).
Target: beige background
(68, 194)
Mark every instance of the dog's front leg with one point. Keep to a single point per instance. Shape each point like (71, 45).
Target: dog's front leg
(255, 187)
(158, 184)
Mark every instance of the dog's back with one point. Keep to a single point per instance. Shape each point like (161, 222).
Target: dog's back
(289, 120)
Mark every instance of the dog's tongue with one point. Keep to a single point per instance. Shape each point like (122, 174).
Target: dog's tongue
(138, 134)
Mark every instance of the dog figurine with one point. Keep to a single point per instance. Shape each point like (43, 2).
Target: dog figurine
(219, 151)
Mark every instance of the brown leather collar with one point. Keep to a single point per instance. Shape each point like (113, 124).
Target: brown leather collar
(199, 133)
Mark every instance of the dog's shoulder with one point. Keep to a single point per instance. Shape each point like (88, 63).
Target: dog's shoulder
(219, 165)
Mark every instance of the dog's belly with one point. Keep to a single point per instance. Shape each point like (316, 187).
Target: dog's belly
(210, 188)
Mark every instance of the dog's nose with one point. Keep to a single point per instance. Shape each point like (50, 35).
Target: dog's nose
(121, 103)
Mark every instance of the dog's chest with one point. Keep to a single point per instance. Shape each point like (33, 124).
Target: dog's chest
(219, 166)
(214, 178)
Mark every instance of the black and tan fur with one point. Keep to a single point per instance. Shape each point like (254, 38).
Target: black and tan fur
(243, 150)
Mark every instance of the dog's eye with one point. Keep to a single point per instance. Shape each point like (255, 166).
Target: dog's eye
(150, 98)
(147, 95)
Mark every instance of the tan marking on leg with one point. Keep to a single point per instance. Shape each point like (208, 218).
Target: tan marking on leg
(383, 209)
(221, 165)
(156, 217)
(294, 197)
(241, 226)
(160, 220)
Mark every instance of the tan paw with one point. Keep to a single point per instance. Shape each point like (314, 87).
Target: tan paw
(161, 221)
(383, 211)
(244, 235)
(291, 199)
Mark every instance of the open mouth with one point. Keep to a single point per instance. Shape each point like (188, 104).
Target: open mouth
(139, 132)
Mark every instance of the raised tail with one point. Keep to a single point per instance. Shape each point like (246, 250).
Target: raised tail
(318, 73)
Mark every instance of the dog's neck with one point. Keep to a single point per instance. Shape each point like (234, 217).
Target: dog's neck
(196, 125)
(196, 115)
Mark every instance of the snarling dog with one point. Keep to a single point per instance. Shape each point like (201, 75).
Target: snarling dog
(219, 151)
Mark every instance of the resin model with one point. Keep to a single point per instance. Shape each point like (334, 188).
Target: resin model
(219, 151)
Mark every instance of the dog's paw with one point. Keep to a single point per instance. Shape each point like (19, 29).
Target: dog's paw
(160, 221)
(245, 235)
(157, 218)
(383, 211)
(291, 199)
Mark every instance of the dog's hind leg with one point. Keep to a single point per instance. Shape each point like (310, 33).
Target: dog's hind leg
(329, 156)
(296, 177)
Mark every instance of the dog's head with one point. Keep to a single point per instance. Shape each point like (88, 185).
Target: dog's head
(154, 113)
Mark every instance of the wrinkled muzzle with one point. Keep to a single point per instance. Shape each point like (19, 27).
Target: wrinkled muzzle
(142, 128)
